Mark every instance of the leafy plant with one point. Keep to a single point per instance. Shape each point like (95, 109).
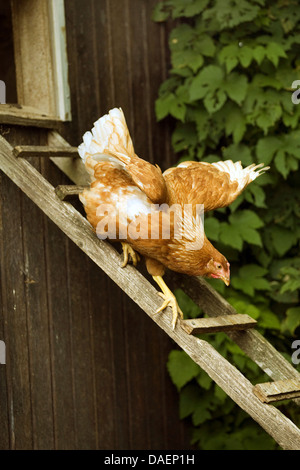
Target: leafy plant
(229, 91)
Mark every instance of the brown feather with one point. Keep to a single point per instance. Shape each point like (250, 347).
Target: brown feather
(135, 190)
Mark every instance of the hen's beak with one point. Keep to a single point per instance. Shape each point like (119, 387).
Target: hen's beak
(226, 280)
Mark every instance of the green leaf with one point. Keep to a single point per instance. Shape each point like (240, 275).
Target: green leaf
(252, 236)
(230, 13)
(160, 12)
(170, 104)
(205, 45)
(229, 56)
(258, 53)
(182, 368)
(251, 278)
(281, 164)
(207, 81)
(238, 153)
(214, 101)
(258, 194)
(244, 307)
(230, 236)
(245, 56)
(162, 106)
(187, 58)
(282, 239)
(261, 80)
(190, 309)
(262, 108)
(269, 320)
(201, 413)
(266, 149)
(235, 125)
(246, 219)
(242, 227)
(291, 285)
(188, 8)
(274, 51)
(236, 87)
(190, 400)
(212, 228)
(204, 380)
(184, 137)
(178, 109)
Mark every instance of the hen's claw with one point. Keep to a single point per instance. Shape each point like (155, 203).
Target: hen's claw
(169, 300)
(129, 251)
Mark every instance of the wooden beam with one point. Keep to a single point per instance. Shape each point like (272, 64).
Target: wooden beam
(17, 115)
(270, 392)
(223, 323)
(67, 192)
(45, 151)
(141, 291)
(250, 341)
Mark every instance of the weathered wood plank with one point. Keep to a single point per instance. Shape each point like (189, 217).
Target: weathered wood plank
(4, 374)
(34, 299)
(270, 392)
(87, 396)
(66, 192)
(39, 356)
(45, 151)
(18, 115)
(73, 168)
(15, 321)
(60, 326)
(221, 323)
(145, 295)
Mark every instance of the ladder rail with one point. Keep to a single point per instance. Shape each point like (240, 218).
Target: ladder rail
(74, 225)
(250, 341)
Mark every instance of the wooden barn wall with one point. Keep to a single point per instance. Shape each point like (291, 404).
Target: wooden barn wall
(86, 368)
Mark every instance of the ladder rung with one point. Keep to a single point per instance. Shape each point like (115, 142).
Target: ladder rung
(68, 191)
(239, 321)
(275, 391)
(45, 151)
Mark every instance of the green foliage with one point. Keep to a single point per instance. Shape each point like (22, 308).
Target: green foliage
(229, 91)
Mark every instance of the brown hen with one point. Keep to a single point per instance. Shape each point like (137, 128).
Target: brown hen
(158, 215)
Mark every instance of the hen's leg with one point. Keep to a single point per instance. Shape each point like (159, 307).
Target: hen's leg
(169, 300)
(129, 251)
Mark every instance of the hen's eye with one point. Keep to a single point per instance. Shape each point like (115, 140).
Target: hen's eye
(219, 266)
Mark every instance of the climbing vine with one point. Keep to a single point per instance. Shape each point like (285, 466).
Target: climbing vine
(232, 93)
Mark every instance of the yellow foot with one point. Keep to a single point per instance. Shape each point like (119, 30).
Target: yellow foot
(169, 300)
(128, 251)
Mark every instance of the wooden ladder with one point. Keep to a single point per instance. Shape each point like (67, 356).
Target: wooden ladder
(55, 203)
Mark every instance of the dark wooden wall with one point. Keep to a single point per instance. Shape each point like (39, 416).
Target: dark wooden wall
(86, 368)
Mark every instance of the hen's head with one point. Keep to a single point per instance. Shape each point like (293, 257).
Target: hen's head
(218, 268)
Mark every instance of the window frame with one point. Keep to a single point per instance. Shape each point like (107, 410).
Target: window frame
(40, 49)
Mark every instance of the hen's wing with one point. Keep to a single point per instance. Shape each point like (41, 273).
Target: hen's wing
(213, 184)
(110, 141)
